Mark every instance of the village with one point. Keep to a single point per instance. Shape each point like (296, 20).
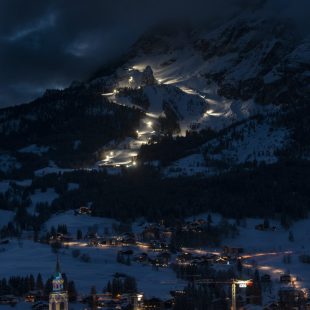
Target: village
(231, 269)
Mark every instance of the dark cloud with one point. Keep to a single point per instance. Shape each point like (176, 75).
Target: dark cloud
(45, 44)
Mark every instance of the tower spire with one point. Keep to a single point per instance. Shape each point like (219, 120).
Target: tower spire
(58, 299)
(57, 265)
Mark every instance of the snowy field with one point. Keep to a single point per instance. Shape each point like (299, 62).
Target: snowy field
(24, 257)
(264, 250)
(47, 196)
(5, 217)
(83, 222)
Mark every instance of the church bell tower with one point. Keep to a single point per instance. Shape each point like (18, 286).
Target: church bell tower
(58, 297)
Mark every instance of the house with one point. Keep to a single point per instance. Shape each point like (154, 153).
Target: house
(153, 304)
(272, 306)
(184, 258)
(163, 259)
(292, 298)
(265, 278)
(40, 305)
(142, 258)
(33, 296)
(127, 238)
(83, 211)
(285, 279)
(159, 246)
(265, 227)
(177, 293)
(151, 232)
(8, 300)
(222, 260)
(61, 238)
(234, 251)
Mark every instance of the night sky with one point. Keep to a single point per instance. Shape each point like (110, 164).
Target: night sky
(49, 43)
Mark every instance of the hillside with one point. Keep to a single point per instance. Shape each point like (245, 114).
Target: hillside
(235, 92)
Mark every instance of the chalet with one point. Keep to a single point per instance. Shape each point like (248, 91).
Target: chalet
(126, 252)
(60, 238)
(127, 238)
(211, 258)
(177, 293)
(232, 251)
(159, 246)
(83, 211)
(196, 226)
(285, 279)
(184, 258)
(219, 303)
(162, 259)
(153, 304)
(8, 300)
(142, 258)
(292, 298)
(264, 227)
(151, 232)
(265, 278)
(91, 235)
(106, 241)
(33, 296)
(305, 258)
(225, 260)
(167, 233)
(272, 306)
(40, 305)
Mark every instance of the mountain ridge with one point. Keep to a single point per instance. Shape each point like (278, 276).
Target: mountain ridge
(178, 82)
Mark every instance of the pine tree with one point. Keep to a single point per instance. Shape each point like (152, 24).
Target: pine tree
(39, 282)
(209, 220)
(93, 293)
(291, 236)
(109, 287)
(31, 283)
(128, 262)
(130, 285)
(119, 258)
(79, 234)
(48, 287)
(53, 231)
(93, 290)
(72, 294)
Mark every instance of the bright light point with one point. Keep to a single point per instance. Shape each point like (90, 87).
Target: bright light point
(150, 124)
(134, 163)
(130, 79)
(111, 153)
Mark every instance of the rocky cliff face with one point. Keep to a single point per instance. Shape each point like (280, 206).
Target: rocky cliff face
(248, 80)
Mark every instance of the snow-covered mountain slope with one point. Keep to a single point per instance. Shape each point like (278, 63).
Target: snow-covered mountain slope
(251, 66)
(181, 79)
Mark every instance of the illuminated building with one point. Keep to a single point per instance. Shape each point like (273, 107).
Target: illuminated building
(138, 302)
(58, 299)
